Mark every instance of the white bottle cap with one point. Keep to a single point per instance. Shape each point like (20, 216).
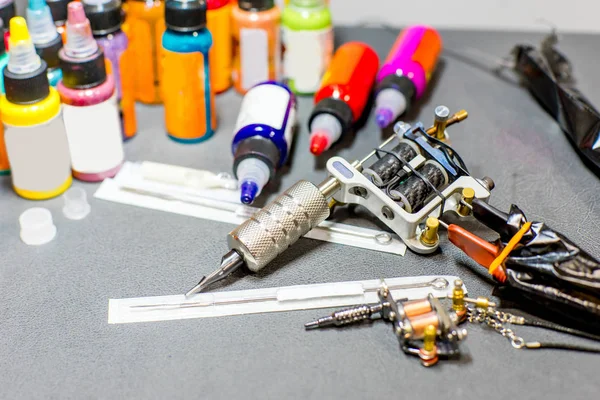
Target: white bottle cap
(37, 226)
(76, 204)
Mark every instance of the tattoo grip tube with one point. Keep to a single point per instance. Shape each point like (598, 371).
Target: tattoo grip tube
(278, 225)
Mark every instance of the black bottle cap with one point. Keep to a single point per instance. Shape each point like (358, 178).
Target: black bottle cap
(401, 83)
(336, 107)
(85, 73)
(104, 18)
(58, 9)
(27, 88)
(185, 16)
(257, 147)
(49, 51)
(256, 5)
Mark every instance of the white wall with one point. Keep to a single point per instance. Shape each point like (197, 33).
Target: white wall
(521, 15)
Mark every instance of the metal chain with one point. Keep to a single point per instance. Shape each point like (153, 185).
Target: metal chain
(496, 320)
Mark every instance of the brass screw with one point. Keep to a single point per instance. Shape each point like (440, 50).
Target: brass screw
(458, 296)
(457, 117)
(442, 114)
(468, 194)
(481, 302)
(429, 338)
(429, 236)
(428, 353)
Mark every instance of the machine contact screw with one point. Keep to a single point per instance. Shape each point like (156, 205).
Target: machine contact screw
(429, 236)
(468, 194)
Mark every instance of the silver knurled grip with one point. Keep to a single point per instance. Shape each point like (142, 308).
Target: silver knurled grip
(279, 224)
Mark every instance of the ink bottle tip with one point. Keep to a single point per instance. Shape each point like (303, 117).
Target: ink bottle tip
(40, 22)
(248, 191)
(18, 30)
(22, 56)
(80, 40)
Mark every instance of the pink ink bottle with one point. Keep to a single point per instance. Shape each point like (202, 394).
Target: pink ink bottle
(90, 109)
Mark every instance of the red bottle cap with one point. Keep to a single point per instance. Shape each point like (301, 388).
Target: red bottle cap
(319, 142)
(214, 4)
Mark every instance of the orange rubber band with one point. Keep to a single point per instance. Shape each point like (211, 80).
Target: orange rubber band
(509, 247)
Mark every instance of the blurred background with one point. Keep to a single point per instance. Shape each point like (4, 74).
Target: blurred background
(512, 15)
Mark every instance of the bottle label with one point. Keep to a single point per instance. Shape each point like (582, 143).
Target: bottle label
(289, 129)
(147, 47)
(254, 54)
(39, 155)
(267, 105)
(4, 165)
(307, 55)
(187, 96)
(94, 134)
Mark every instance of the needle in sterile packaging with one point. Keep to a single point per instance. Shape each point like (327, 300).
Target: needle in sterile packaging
(274, 299)
(438, 283)
(243, 211)
(381, 238)
(188, 177)
(237, 209)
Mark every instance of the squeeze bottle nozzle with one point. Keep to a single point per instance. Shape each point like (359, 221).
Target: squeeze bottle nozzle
(40, 23)
(80, 40)
(253, 174)
(389, 105)
(319, 142)
(22, 56)
(325, 129)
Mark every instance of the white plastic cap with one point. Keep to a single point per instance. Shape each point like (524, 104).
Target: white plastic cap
(76, 204)
(36, 226)
(182, 176)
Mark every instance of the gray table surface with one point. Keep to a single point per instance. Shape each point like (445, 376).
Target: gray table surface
(55, 341)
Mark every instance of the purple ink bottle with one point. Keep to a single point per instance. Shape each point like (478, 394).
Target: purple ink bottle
(106, 18)
(89, 103)
(406, 72)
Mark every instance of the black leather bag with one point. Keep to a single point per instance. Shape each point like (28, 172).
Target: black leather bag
(552, 272)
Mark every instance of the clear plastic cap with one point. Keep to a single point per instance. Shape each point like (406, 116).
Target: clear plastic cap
(36, 226)
(40, 23)
(325, 129)
(76, 205)
(80, 40)
(22, 56)
(253, 174)
(389, 105)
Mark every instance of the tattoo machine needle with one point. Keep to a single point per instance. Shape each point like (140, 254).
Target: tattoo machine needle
(277, 226)
(273, 229)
